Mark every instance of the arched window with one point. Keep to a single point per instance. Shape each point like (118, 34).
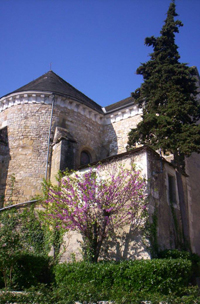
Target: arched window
(85, 158)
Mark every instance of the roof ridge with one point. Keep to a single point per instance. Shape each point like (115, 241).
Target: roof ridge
(73, 87)
(51, 82)
(120, 104)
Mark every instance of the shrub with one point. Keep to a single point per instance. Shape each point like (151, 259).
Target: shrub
(41, 295)
(31, 270)
(176, 254)
(88, 294)
(164, 276)
(127, 282)
(25, 242)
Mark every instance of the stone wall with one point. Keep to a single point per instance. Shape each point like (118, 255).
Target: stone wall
(117, 127)
(165, 216)
(193, 171)
(28, 118)
(24, 158)
(28, 127)
(86, 132)
(126, 243)
(165, 221)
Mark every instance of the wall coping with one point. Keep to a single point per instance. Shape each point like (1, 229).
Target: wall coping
(36, 97)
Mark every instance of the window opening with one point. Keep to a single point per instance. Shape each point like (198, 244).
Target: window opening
(85, 158)
(172, 189)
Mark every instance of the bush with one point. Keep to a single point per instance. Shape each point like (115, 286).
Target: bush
(127, 282)
(88, 294)
(1, 281)
(31, 270)
(164, 276)
(25, 242)
(176, 254)
(41, 295)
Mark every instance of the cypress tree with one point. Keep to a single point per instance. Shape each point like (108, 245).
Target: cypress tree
(168, 97)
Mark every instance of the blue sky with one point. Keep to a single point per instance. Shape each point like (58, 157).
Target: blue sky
(95, 45)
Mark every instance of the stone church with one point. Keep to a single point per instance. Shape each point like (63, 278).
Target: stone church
(48, 125)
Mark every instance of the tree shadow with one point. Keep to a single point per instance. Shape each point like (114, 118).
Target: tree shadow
(126, 244)
(4, 162)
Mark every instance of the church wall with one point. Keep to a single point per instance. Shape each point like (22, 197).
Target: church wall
(86, 132)
(28, 127)
(128, 243)
(55, 161)
(193, 171)
(116, 129)
(165, 215)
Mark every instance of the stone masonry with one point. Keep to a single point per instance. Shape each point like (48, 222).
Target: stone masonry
(46, 125)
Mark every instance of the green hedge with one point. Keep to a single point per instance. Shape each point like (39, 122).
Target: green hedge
(30, 270)
(177, 254)
(163, 276)
(88, 294)
(127, 282)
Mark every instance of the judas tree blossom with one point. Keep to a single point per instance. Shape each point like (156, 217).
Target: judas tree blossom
(97, 202)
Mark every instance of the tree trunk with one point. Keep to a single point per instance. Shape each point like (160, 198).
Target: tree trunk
(99, 236)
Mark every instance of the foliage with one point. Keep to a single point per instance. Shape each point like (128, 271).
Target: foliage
(21, 233)
(174, 254)
(10, 246)
(53, 236)
(41, 295)
(168, 97)
(32, 233)
(26, 238)
(163, 276)
(126, 282)
(122, 282)
(96, 202)
(151, 233)
(87, 293)
(32, 270)
(177, 254)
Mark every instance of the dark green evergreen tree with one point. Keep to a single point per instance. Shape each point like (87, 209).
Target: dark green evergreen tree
(168, 97)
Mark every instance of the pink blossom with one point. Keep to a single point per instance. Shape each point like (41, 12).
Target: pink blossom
(95, 207)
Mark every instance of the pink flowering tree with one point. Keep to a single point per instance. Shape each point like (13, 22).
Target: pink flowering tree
(97, 202)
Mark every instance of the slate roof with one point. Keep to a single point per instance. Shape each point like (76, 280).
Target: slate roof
(120, 104)
(51, 82)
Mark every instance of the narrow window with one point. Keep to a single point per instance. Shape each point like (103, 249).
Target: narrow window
(85, 158)
(172, 189)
